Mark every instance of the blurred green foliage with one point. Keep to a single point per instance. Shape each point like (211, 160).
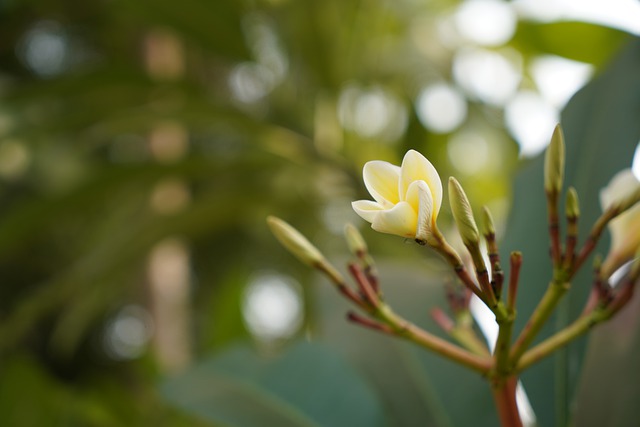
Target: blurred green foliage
(254, 89)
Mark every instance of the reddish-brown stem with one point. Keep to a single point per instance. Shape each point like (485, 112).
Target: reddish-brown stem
(368, 323)
(592, 301)
(504, 395)
(554, 227)
(442, 320)
(487, 289)
(497, 276)
(514, 277)
(624, 295)
(570, 251)
(466, 279)
(350, 295)
(364, 285)
(593, 238)
(586, 250)
(372, 277)
(600, 292)
(408, 330)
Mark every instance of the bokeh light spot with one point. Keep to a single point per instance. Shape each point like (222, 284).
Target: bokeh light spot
(486, 22)
(468, 152)
(441, 108)
(45, 48)
(531, 120)
(559, 78)
(372, 113)
(128, 333)
(491, 77)
(250, 82)
(272, 307)
(14, 159)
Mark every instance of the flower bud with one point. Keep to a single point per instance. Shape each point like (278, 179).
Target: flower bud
(554, 162)
(295, 242)
(487, 221)
(573, 205)
(463, 214)
(356, 242)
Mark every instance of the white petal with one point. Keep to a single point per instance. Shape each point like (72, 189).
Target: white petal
(381, 179)
(366, 209)
(625, 230)
(425, 210)
(401, 220)
(621, 185)
(416, 167)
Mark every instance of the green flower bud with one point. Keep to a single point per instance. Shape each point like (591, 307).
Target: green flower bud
(554, 162)
(295, 242)
(573, 205)
(463, 214)
(487, 221)
(356, 242)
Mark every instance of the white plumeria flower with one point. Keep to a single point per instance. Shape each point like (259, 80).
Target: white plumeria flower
(625, 229)
(407, 198)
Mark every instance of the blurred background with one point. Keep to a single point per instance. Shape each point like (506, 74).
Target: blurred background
(143, 143)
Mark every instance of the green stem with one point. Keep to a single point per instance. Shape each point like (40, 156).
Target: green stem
(411, 332)
(504, 318)
(469, 339)
(561, 366)
(543, 311)
(579, 327)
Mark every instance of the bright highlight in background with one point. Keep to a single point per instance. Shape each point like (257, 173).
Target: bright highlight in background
(468, 152)
(128, 333)
(636, 162)
(272, 307)
(486, 22)
(441, 108)
(559, 78)
(531, 120)
(486, 75)
(372, 112)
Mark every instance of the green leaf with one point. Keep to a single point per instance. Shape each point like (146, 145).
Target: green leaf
(305, 387)
(608, 392)
(579, 41)
(602, 130)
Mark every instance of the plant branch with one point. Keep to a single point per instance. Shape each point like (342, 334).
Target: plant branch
(561, 338)
(504, 395)
(541, 314)
(411, 332)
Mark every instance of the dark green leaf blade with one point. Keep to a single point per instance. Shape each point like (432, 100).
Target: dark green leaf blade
(307, 386)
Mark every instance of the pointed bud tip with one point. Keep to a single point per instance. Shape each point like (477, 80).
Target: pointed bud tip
(355, 241)
(487, 220)
(573, 204)
(554, 162)
(295, 242)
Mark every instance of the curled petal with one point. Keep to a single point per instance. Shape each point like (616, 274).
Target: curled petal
(400, 220)
(425, 211)
(381, 179)
(416, 167)
(366, 209)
